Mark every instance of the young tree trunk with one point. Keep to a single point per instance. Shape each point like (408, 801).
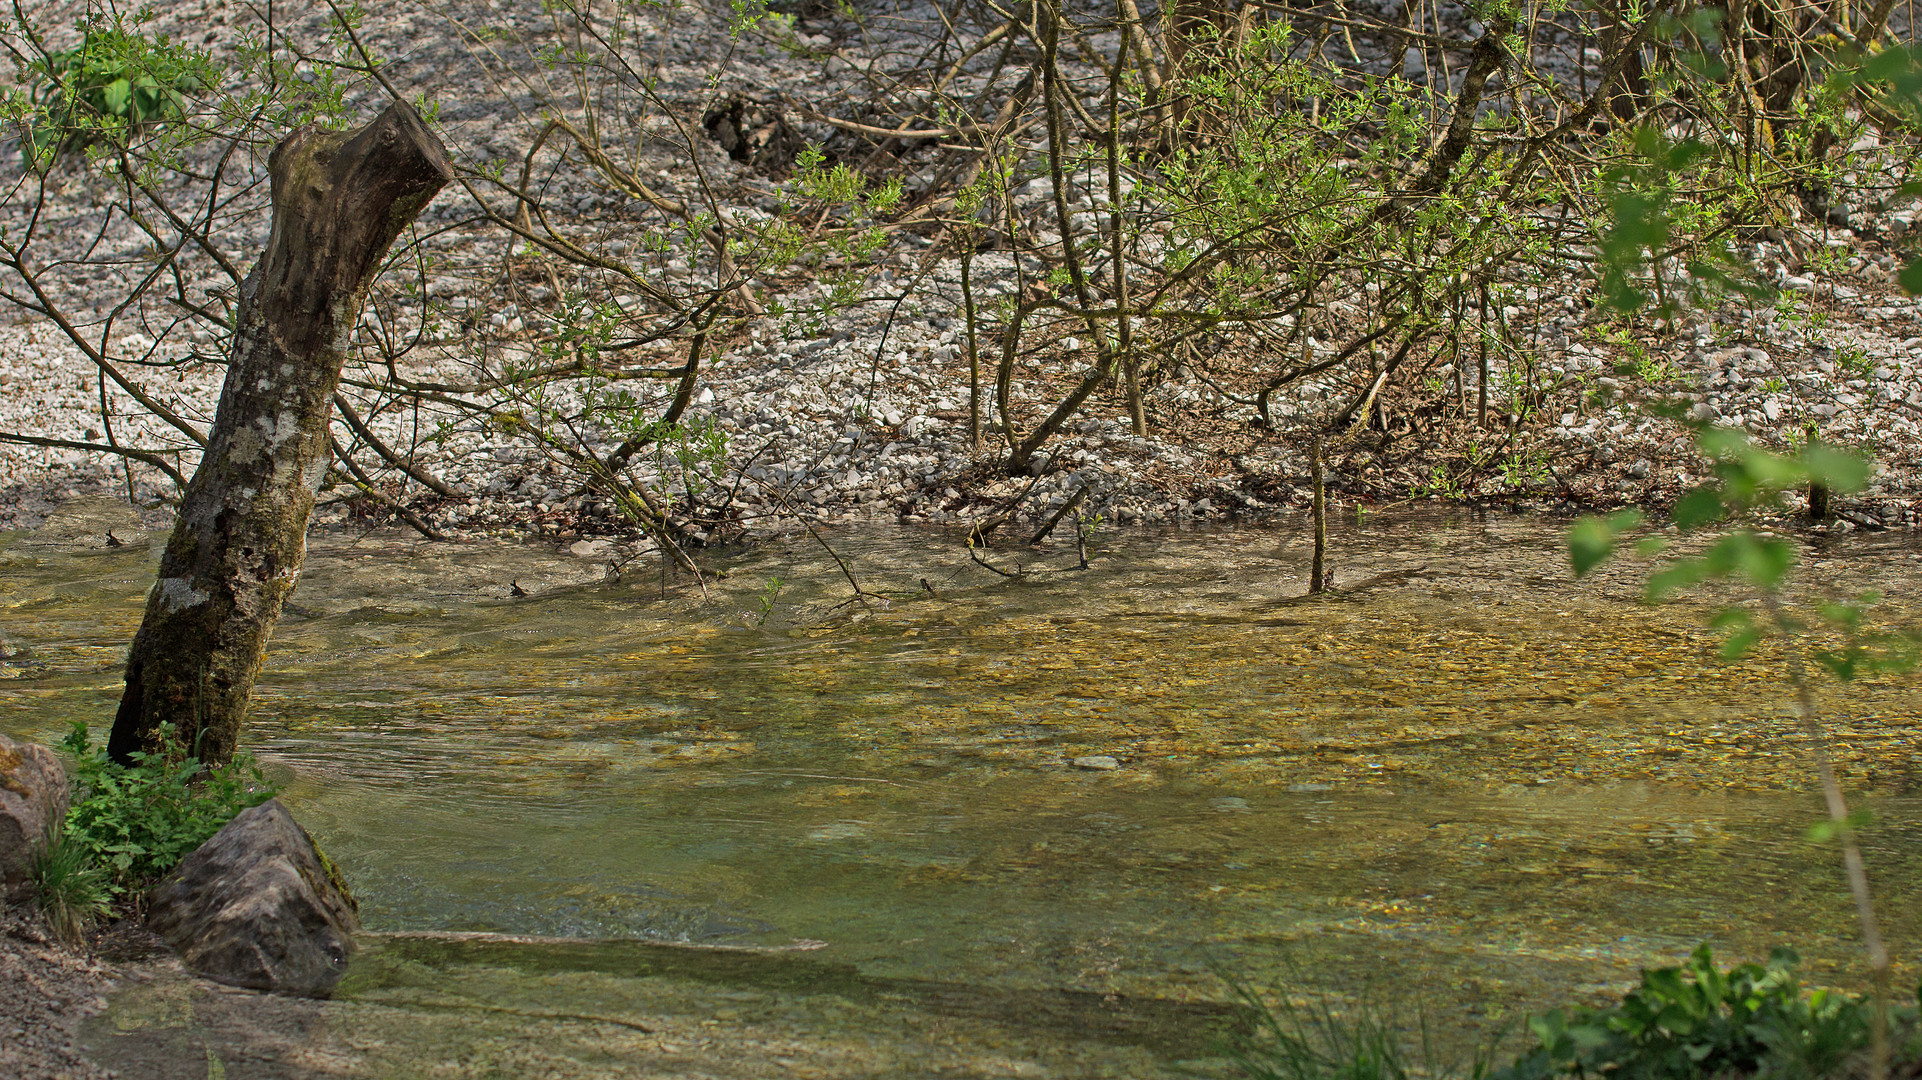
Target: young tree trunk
(339, 201)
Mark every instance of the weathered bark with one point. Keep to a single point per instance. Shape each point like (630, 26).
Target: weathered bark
(339, 201)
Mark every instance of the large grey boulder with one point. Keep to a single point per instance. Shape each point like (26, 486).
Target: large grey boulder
(256, 906)
(33, 795)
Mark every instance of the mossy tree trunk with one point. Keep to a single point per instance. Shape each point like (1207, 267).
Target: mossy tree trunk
(340, 199)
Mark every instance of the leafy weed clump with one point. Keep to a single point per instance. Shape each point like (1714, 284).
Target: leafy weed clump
(1695, 1021)
(129, 825)
(1319, 1040)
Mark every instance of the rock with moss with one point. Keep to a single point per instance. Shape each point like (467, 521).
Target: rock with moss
(257, 906)
(33, 796)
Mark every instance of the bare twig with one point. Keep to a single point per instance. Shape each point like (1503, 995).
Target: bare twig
(439, 487)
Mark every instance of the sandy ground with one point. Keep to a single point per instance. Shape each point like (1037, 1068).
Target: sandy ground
(46, 992)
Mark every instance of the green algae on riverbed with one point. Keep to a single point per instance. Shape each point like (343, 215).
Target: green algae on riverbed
(1495, 787)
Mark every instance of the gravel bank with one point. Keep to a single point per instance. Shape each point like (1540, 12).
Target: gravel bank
(866, 419)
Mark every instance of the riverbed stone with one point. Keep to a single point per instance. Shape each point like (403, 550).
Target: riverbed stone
(33, 795)
(1097, 762)
(256, 906)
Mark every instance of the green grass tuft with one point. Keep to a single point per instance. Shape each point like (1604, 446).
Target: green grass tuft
(73, 891)
(1323, 1038)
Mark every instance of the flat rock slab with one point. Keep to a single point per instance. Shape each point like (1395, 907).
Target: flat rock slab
(477, 1007)
(256, 907)
(33, 795)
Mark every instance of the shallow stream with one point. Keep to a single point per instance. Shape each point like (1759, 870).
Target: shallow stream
(1469, 786)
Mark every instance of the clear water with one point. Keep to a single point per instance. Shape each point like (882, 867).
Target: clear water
(1474, 784)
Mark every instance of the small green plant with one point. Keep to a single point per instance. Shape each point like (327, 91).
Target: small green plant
(1634, 360)
(747, 15)
(1746, 479)
(1824, 262)
(769, 593)
(1652, 370)
(1085, 527)
(72, 890)
(698, 444)
(1649, 208)
(1439, 485)
(1694, 1020)
(1637, 363)
(1691, 1021)
(135, 823)
(1855, 360)
(1524, 471)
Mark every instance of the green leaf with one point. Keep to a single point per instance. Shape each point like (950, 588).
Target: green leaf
(1767, 562)
(114, 97)
(1843, 664)
(1702, 506)
(1845, 615)
(1623, 520)
(1885, 65)
(1771, 472)
(1592, 541)
(1738, 644)
(1687, 153)
(1678, 576)
(1588, 1036)
(1720, 442)
(1910, 277)
(1823, 831)
(1836, 469)
(1732, 619)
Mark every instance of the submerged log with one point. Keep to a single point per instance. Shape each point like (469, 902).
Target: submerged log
(340, 199)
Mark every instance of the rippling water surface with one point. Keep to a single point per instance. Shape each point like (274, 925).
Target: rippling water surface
(1470, 780)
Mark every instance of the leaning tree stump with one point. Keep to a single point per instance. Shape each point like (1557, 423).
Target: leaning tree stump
(340, 199)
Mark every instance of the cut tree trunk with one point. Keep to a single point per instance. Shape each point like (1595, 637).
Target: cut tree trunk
(339, 201)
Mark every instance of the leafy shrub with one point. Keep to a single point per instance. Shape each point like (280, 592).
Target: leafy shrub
(112, 85)
(72, 889)
(1695, 1021)
(137, 822)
